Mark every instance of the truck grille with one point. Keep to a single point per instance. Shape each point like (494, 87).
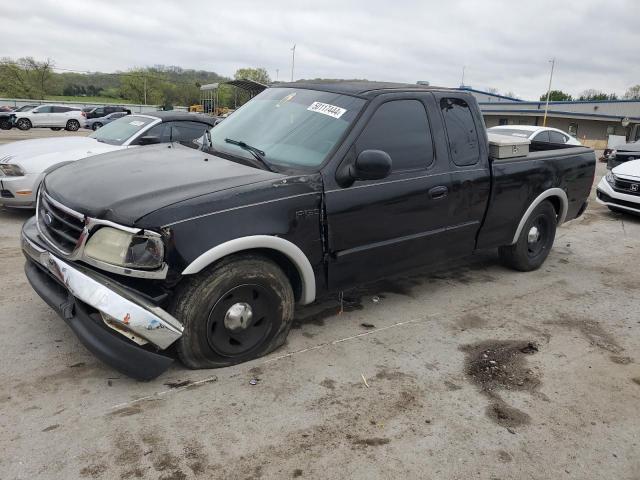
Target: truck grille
(61, 226)
(626, 186)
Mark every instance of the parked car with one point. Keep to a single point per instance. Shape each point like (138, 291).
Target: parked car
(623, 153)
(96, 123)
(6, 118)
(55, 117)
(97, 112)
(23, 164)
(619, 189)
(306, 189)
(536, 134)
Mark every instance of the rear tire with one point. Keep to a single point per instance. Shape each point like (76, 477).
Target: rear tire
(23, 124)
(535, 240)
(5, 124)
(56, 129)
(96, 126)
(72, 126)
(235, 311)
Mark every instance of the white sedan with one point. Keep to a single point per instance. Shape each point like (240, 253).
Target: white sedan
(536, 134)
(620, 188)
(24, 164)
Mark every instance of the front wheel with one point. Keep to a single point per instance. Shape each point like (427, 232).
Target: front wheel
(5, 124)
(535, 240)
(235, 311)
(96, 126)
(23, 124)
(72, 125)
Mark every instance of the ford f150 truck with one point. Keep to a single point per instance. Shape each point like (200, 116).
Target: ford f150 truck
(308, 188)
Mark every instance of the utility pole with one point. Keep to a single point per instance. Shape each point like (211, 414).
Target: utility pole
(145, 90)
(462, 81)
(293, 59)
(546, 106)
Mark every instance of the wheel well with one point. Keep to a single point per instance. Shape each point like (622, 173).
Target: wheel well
(287, 267)
(280, 259)
(557, 204)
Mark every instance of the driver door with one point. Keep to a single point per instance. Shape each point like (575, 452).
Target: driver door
(381, 227)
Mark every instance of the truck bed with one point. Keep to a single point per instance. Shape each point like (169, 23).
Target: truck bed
(516, 182)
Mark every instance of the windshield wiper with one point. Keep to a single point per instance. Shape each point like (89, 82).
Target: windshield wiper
(256, 152)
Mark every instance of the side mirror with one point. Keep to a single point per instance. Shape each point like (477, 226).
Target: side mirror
(149, 140)
(371, 165)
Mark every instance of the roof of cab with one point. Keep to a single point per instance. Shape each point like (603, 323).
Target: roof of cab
(359, 88)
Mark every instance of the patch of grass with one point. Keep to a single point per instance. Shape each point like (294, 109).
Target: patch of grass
(87, 99)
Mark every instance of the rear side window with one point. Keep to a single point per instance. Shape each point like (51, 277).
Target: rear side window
(464, 144)
(542, 137)
(557, 137)
(400, 128)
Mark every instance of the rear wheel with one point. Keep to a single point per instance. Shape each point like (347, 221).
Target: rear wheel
(237, 310)
(23, 124)
(5, 124)
(56, 129)
(535, 240)
(72, 125)
(96, 126)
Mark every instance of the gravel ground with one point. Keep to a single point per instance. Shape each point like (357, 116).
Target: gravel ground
(13, 135)
(468, 371)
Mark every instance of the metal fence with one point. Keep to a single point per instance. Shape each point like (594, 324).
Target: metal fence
(135, 108)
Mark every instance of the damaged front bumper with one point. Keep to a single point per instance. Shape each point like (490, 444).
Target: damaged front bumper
(116, 324)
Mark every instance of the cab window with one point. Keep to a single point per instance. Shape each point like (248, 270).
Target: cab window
(462, 135)
(401, 129)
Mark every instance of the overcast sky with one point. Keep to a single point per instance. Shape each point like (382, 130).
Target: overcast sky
(503, 44)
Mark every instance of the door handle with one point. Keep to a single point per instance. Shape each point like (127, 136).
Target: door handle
(438, 192)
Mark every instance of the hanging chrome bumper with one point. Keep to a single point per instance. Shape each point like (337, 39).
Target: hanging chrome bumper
(124, 311)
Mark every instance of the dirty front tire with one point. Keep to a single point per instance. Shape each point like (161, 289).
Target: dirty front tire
(232, 312)
(535, 240)
(23, 124)
(72, 126)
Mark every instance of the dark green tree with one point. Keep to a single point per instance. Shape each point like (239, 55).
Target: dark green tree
(556, 96)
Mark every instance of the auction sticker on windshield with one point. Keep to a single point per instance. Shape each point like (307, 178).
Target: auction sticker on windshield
(326, 109)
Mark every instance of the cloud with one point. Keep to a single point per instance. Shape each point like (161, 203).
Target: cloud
(503, 44)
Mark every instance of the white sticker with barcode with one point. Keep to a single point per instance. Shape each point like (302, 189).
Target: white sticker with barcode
(326, 109)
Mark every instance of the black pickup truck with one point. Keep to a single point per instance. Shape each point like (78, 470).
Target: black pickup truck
(307, 189)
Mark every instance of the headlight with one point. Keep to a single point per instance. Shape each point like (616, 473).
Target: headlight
(611, 178)
(11, 170)
(125, 249)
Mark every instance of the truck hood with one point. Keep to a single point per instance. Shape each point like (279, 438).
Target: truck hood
(628, 169)
(127, 185)
(35, 156)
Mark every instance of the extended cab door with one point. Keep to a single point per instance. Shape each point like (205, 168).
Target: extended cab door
(468, 159)
(377, 228)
